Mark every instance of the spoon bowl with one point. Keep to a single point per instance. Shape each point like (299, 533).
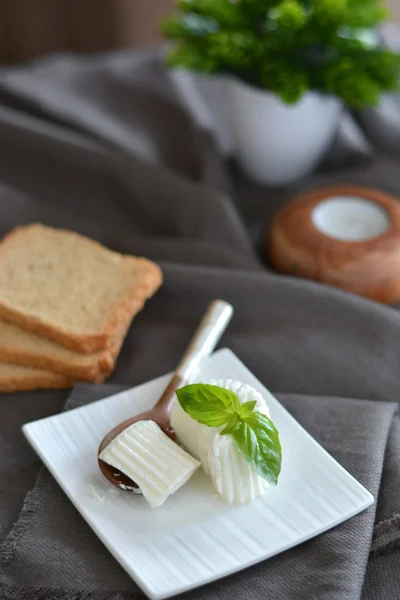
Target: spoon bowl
(160, 414)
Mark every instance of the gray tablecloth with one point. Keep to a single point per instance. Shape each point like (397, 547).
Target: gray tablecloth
(107, 147)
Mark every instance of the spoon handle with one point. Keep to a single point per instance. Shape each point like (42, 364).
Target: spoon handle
(206, 337)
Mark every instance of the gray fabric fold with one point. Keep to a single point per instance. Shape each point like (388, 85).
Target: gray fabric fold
(106, 146)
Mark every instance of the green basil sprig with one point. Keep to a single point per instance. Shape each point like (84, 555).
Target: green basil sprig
(254, 434)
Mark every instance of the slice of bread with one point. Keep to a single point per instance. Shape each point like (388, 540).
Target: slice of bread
(14, 378)
(31, 350)
(69, 288)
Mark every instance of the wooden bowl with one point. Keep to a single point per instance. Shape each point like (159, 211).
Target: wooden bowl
(358, 250)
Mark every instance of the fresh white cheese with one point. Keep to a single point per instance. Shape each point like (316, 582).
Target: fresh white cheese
(231, 475)
(151, 459)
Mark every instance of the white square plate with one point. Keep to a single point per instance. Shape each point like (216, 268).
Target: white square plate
(194, 527)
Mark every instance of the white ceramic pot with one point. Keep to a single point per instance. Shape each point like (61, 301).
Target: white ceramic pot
(277, 143)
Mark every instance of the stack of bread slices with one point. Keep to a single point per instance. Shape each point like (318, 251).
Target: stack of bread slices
(66, 304)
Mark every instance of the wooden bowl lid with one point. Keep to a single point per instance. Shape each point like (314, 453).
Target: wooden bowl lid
(306, 240)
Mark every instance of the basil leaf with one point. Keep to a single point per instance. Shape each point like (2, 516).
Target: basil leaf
(246, 409)
(257, 439)
(232, 425)
(210, 405)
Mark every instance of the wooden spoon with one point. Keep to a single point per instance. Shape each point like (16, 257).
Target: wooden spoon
(202, 344)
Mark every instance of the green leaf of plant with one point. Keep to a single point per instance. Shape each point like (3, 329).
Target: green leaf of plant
(210, 405)
(232, 425)
(288, 47)
(246, 409)
(257, 439)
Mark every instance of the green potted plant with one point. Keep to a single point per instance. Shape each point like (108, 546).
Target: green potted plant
(290, 66)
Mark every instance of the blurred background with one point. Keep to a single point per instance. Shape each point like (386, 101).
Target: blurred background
(29, 28)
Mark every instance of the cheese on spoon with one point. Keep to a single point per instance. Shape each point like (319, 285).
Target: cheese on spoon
(151, 459)
(231, 475)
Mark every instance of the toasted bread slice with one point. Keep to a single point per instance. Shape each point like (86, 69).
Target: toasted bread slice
(24, 348)
(69, 288)
(14, 378)
(31, 350)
